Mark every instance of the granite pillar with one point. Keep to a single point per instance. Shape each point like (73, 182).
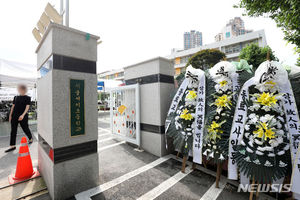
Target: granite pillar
(67, 111)
(156, 78)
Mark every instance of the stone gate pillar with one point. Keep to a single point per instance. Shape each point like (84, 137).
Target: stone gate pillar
(67, 111)
(156, 78)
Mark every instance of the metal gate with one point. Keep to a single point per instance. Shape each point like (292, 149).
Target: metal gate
(125, 113)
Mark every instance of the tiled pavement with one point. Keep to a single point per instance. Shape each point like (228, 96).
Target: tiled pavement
(128, 174)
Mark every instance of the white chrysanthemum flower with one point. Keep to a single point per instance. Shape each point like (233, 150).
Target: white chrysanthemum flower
(261, 149)
(243, 152)
(259, 153)
(243, 143)
(215, 147)
(280, 153)
(189, 102)
(205, 152)
(278, 125)
(253, 120)
(250, 143)
(280, 118)
(249, 150)
(269, 148)
(252, 115)
(247, 159)
(247, 127)
(217, 117)
(280, 140)
(251, 108)
(273, 143)
(258, 142)
(266, 108)
(251, 138)
(268, 164)
(271, 155)
(183, 133)
(189, 133)
(282, 164)
(247, 134)
(222, 157)
(281, 113)
(287, 147)
(178, 125)
(256, 162)
(256, 106)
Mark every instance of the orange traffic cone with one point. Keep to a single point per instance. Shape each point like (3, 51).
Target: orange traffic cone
(24, 169)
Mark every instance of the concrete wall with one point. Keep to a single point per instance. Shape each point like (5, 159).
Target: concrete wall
(156, 85)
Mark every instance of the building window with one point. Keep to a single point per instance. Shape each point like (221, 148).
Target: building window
(227, 34)
(177, 61)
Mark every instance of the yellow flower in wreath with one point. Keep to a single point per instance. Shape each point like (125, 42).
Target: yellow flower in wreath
(191, 95)
(264, 132)
(185, 115)
(223, 83)
(214, 130)
(214, 127)
(266, 99)
(223, 101)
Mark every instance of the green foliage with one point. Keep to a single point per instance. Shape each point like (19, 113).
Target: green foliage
(255, 55)
(286, 14)
(103, 96)
(206, 58)
(295, 82)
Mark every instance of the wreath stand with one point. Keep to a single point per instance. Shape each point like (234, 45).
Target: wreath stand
(219, 169)
(184, 159)
(218, 175)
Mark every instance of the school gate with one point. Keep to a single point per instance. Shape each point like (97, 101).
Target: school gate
(125, 113)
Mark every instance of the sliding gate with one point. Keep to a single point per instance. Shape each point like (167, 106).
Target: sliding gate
(125, 113)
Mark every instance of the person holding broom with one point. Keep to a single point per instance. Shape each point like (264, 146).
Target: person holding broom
(19, 114)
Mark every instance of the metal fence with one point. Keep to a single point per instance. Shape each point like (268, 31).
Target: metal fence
(125, 113)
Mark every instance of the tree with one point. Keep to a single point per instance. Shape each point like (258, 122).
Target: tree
(285, 13)
(206, 58)
(255, 55)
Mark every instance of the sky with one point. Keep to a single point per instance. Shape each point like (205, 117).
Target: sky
(133, 30)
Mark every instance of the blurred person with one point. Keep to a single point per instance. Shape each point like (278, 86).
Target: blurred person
(19, 114)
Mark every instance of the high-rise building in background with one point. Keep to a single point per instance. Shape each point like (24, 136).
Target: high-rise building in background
(233, 28)
(192, 39)
(231, 47)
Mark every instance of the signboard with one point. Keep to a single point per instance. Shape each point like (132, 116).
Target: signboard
(77, 115)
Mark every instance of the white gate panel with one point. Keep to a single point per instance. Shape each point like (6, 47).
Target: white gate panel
(125, 113)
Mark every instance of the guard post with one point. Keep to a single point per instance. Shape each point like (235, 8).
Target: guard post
(156, 79)
(67, 111)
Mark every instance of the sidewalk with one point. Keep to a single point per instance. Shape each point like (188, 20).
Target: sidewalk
(128, 174)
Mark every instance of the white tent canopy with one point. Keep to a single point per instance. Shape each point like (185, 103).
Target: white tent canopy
(13, 73)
